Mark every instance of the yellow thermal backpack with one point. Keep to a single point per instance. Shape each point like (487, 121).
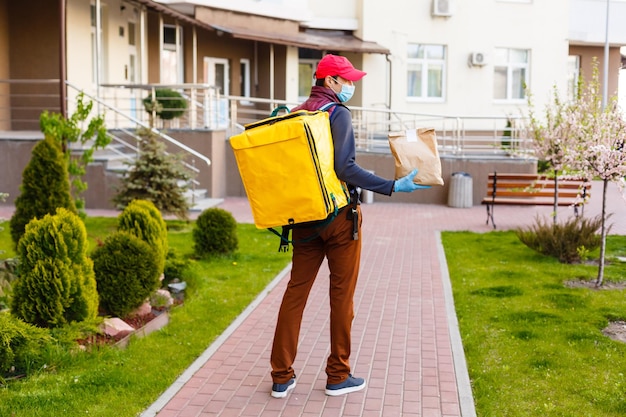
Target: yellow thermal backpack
(287, 166)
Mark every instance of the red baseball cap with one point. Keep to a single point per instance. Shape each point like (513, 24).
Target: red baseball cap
(337, 65)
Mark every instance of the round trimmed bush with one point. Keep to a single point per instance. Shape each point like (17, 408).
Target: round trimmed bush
(56, 284)
(215, 233)
(170, 104)
(126, 273)
(142, 219)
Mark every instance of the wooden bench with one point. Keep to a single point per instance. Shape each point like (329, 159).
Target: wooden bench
(533, 190)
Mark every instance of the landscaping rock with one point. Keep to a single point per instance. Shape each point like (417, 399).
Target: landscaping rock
(144, 309)
(162, 298)
(115, 327)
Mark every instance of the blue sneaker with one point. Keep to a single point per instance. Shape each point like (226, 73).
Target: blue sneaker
(351, 384)
(281, 390)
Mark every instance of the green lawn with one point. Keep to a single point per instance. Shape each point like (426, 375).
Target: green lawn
(116, 383)
(534, 347)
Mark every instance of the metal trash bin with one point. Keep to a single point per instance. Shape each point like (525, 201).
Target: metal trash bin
(460, 194)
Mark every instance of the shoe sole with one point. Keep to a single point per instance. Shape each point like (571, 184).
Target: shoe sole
(283, 394)
(342, 391)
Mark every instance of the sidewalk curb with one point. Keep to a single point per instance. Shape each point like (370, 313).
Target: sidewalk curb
(164, 398)
(466, 399)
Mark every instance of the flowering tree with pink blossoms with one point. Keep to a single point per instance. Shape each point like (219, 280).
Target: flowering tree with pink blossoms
(598, 136)
(552, 138)
(583, 138)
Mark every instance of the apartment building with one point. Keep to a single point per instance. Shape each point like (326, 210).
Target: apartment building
(449, 59)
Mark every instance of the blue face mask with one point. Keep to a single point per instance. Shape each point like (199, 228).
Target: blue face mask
(346, 92)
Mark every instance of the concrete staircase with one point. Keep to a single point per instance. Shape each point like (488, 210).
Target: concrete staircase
(116, 159)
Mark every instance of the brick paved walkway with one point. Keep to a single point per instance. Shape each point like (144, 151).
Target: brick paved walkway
(405, 334)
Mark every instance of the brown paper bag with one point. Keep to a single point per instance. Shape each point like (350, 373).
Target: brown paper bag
(417, 148)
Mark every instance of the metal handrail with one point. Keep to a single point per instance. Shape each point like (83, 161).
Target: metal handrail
(143, 125)
(458, 136)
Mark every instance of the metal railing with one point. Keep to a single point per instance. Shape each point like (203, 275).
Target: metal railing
(23, 100)
(124, 109)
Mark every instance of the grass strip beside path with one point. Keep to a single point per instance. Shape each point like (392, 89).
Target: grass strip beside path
(534, 347)
(112, 382)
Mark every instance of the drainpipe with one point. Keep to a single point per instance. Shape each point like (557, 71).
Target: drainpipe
(98, 49)
(62, 58)
(272, 75)
(605, 83)
(388, 81)
(195, 56)
(388, 89)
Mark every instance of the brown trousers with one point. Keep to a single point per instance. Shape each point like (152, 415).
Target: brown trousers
(344, 255)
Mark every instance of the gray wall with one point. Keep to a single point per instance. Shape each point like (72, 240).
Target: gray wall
(384, 166)
(221, 179)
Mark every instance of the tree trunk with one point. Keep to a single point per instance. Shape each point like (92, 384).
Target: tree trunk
(603, 240)
(556, 196)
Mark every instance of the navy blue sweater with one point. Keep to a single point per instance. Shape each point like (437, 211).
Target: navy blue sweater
(345, 148)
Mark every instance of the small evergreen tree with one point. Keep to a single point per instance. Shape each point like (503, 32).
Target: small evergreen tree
(45, 187)
(56, 284)
(156, 176)
(142, 219)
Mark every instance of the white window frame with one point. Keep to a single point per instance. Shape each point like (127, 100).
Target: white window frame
(176, 49)
(98, 55)
(244, 65)
(425, 63)
(511, 67)
(210, 73)
(573, 74)
(313, 64)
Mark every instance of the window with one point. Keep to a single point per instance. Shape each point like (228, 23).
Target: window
(171, 55)
(306, 70)
(307, 64)
(244, 78)
(425, 71)
(217, 74)
(510, 78)
(96, 46)
(573, 73)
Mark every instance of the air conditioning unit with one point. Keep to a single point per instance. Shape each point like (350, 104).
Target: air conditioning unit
(477, 59)
(442, 8)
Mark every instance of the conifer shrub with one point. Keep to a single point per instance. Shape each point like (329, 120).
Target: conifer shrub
(8, 274)
(21, 345)
(142, 219)
(56, 283)
(45, 187)
(175, 266)
(156, 176)
(567, 241)
(126, 270)
(215, 233)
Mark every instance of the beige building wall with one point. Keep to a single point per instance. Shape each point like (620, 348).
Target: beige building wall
(587, 56)
(476, 26)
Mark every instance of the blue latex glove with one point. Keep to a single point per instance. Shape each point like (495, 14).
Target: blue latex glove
(406, 184)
